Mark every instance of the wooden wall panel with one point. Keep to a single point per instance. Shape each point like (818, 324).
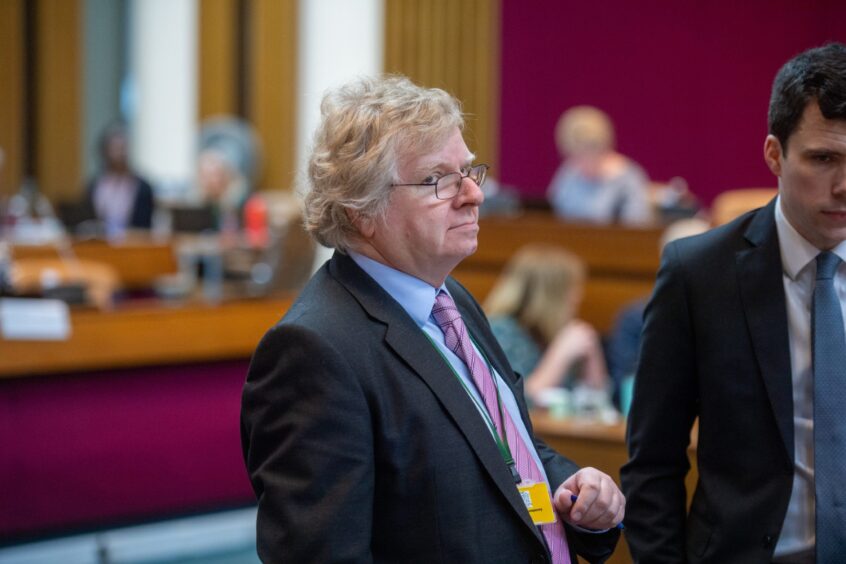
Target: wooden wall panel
(272, 50)
(454, 45)
(58, 100)
(217, 53)
(248, 55)
(11, 94)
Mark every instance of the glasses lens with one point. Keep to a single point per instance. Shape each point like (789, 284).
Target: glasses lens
(448, 186)
(478, 174)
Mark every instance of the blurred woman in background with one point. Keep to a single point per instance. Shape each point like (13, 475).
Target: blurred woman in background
(532, 310)
(595, 183)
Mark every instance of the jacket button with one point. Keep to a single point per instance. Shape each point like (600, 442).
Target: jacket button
(768, 541)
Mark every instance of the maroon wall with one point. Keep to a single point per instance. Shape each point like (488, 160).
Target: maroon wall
(686, 82)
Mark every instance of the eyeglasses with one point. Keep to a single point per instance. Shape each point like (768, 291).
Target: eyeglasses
(448, 186)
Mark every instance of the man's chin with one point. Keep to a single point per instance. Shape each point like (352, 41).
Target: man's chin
(827, 237)
(470, 250)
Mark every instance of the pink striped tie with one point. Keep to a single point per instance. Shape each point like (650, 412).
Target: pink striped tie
(458, 341)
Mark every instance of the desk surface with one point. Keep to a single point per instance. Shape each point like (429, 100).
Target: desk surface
(546, 425)
(147, 333)
(618, 250)
(621, 261)
(138, 261)
(622, 264)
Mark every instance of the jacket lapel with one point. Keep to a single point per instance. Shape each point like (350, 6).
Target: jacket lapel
(411, 345)
(762, 293)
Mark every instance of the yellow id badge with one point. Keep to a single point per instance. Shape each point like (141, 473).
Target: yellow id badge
(538, 501)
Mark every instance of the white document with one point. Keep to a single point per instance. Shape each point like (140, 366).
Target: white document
(26, 319)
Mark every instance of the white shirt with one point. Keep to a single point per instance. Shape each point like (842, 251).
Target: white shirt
(798, 260)
(114, 197)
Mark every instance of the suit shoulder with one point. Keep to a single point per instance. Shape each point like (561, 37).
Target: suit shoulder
(722, 240)
(322, 303)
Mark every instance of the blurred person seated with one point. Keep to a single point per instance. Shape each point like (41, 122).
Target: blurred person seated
(27, 217)
(532, 311)
(227, 166)
(624, 340)
(595, 183)
(117, 196)
(223, 186)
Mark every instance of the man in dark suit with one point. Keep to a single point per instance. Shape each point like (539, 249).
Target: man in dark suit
(381, 421)
(730, 338)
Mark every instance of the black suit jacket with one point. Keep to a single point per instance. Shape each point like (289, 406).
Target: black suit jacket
(363, 447)
(715, 345)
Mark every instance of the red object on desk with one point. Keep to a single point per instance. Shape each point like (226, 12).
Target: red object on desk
(255, 221)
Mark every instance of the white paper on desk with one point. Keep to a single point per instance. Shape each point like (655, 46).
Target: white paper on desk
(25, 319)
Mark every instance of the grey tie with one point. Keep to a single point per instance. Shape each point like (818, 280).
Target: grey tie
(829, 345)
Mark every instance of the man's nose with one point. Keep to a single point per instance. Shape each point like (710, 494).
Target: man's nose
(838, 187)
(470, 193)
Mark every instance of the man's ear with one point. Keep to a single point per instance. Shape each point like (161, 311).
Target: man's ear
(773, 154)
(365, 225)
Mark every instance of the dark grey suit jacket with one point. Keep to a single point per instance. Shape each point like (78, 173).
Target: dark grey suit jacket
(363, 447)
(715, 345)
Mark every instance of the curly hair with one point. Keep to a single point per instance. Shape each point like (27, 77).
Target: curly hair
(367, 126)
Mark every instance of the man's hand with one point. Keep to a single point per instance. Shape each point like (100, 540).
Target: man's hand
(600, 504)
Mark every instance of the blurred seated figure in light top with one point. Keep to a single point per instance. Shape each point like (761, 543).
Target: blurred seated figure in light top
(117, 196)
(228, 166)
(222, 186)
(595, 183)
(532, 311)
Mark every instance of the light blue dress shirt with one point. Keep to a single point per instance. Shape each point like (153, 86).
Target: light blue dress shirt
(417, 298)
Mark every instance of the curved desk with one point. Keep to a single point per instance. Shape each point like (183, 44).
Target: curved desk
(135, 417)
(621, 261)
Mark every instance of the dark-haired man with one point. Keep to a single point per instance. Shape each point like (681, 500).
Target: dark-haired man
(745, 331)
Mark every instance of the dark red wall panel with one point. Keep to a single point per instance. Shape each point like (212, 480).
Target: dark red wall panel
(686, 82)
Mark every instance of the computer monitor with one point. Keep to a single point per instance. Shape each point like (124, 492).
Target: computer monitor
(192, 219)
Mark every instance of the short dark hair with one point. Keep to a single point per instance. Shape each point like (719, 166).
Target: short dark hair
(817, 74)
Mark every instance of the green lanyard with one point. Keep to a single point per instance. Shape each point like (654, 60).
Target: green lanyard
(501, 441)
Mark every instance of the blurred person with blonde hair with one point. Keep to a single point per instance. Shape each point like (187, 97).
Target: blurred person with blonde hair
(532, 310)
(595, 183)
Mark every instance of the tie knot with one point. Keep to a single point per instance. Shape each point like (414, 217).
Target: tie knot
(827, 264)
(444, 310)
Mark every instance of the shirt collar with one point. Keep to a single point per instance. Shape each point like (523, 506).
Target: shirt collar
(414, 295)
(796, 251)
